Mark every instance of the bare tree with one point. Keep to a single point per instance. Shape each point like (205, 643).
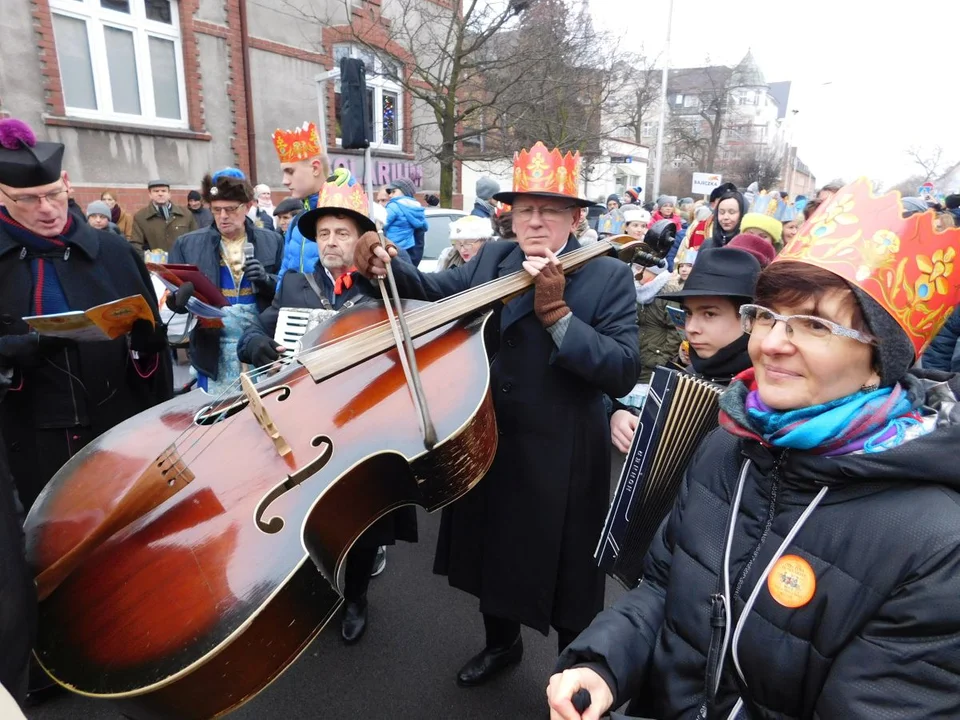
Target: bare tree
(908, 186)
(635, 93)
(930, 162)
(763, 165)
(460, 62)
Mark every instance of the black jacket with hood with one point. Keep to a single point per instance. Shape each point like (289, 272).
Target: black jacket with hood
(880, 637)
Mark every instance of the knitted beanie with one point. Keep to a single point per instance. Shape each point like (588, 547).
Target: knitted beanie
(487, 187)
(895, 352)
(404, 186)
(98, 207)
(761, 249)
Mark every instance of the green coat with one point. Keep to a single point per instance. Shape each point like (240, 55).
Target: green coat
(659, 338)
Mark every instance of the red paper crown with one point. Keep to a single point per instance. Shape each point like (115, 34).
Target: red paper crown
(301, 143)
(904, 264)
(546, 171)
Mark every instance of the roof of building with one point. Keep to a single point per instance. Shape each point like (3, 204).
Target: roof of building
(747, 73)
(780, 92)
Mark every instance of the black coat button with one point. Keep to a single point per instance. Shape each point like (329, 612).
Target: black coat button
(511, 343)
(507, 387)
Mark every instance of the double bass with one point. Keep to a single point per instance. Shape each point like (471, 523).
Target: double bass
(186, 558)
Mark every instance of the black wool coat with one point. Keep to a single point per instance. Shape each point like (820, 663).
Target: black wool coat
(53, 415)
(202, 249)
(878, 638)
(522, 541)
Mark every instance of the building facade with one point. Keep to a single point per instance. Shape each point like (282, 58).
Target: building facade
(172, 89)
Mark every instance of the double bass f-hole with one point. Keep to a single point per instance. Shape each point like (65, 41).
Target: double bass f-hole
(275, 524)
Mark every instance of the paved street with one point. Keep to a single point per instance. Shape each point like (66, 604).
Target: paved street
(421, 631)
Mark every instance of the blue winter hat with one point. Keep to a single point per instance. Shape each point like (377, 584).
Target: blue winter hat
(231, 172)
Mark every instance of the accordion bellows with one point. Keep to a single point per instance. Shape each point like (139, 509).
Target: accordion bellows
(679, 411)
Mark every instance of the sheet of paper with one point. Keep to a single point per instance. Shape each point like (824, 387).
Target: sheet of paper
(103, 322)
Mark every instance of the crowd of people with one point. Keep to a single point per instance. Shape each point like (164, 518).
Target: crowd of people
(809, 565)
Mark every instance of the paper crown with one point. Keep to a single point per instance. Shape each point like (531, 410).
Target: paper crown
(342, 191)
(301, 143)
(767, 204)
(539, 170)
(904, 264)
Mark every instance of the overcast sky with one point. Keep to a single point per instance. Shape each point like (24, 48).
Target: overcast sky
(868, 83)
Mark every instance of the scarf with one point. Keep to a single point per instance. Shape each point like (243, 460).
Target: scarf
(728, 361)
(866, 421)
(163, 211)
(647, 292)
(345, 281)
(48, 296)
(115, 214)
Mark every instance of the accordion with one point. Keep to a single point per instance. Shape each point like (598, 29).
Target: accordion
(294, 323)
(678, 412)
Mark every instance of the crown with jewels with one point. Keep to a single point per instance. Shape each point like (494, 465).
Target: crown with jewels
(905, 264)
(539, 170)
(301, 143)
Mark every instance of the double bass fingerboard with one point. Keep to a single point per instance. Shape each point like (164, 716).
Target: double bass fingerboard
(680, 409)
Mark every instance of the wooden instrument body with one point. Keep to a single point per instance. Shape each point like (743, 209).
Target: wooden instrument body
(196, 606)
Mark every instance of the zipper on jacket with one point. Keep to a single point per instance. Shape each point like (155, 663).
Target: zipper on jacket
(718, 621)
(771, 511)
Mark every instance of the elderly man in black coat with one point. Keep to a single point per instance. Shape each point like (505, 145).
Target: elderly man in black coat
(336, 229)
(523, 540)
(63, 394)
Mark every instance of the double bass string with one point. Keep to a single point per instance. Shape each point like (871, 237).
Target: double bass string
(364, 343)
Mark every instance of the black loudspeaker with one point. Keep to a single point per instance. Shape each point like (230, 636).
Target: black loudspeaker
(353, 99)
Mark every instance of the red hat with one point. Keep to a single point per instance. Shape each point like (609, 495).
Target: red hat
(761, 249)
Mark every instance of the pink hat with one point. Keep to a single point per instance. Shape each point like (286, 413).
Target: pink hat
(761, 249)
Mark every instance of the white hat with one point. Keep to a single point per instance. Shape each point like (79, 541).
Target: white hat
(471, 227)
(635, 214)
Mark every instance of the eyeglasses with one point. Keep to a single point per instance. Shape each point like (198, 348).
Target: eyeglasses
(549, 214)
(468, 244)
(227, 210)
(758, 320)
(31, 201)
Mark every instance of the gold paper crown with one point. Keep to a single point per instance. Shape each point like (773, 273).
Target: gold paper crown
(546, 171)
(301, 143)
(904, 264)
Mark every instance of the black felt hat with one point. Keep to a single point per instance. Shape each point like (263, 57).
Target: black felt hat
(719, 191)
(724, 272)
(24, 162)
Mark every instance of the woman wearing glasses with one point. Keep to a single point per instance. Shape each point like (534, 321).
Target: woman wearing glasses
(467, 236)
(809, 568)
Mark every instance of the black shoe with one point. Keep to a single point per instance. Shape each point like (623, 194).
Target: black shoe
(488, 663)
(354, 622)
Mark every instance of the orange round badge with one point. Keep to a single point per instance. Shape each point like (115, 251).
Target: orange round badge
(792, 582)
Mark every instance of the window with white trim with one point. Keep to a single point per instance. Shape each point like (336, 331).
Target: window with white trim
(384, 106)
(121, 60)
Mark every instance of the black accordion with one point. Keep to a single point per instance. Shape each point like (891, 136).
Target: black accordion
(679, 410)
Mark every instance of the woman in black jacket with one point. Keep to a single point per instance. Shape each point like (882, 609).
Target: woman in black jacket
(810, 565)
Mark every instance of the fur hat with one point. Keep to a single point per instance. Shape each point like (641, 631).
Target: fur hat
(634, 214)
(226, 186)
(471, 227)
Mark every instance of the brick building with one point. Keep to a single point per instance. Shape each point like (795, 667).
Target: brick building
(138, 89)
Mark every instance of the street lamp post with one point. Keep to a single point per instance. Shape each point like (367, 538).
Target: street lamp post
(661, 130)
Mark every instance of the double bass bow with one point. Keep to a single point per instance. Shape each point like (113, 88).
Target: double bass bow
(185, 558)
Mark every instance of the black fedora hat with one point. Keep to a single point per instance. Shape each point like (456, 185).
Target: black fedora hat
(723, 272)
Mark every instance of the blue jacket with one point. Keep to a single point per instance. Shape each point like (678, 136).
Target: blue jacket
(298, 256)
(943, 351)
(404, 216)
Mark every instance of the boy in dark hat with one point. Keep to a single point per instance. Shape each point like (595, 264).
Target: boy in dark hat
(241, 260)
(201, 213)
(62, 394)
(159, 224)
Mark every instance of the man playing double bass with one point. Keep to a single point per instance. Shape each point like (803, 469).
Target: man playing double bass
(334, 225)
(522, 541)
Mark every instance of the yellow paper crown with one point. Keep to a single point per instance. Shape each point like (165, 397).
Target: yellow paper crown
(350, 197)
(546, 171)
(904, 264)
(301, 143)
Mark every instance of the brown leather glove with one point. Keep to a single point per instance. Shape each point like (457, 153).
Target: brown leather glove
(548, 301)
(363, 256)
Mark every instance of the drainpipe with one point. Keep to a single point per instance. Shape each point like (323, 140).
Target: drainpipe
(248, 92)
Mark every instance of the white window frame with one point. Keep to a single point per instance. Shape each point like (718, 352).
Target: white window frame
(379, 81)
(96, 18)
(648, 128)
